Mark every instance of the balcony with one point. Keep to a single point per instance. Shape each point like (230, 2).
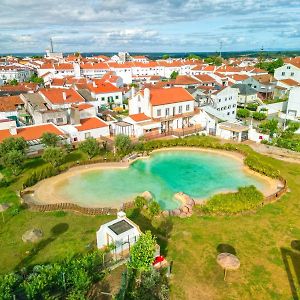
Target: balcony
(176, 116)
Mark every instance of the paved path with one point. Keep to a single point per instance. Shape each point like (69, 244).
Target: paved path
(275, 152)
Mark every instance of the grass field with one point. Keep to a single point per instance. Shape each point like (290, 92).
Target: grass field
(267, 244)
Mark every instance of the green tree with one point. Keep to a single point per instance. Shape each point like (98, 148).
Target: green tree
(139, 202)
(269, 126)
(54, 155)
(270, 66)
(34, 78)
(90, 146)
(13, 160)
(165, 56)
(13, 82)
(214, 60)
(142, 253)
(259, 116)
(123, 144)
(243, 113)
(50, 139)
(193, 56)
(174, 75)
(13, 143)
(154, 208)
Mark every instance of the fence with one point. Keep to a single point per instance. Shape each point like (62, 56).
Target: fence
(275, 196)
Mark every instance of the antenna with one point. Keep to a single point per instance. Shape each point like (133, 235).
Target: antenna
(51, 45)
(221, 44)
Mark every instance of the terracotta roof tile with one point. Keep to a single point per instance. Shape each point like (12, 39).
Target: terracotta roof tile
(91, 123)
(139, 117)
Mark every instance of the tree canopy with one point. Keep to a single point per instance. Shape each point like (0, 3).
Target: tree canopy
(269, 126)
(193, 56)
(54, 155)
(50, 139)
(123, 144)
(174, 75)
(34, 78)
(12, 143)
(90, 146)
(270, 66)
(142, 252)
(165, 56)
(13, 160)
(214, 60)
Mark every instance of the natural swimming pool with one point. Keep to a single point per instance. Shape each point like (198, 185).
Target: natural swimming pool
(196, 173)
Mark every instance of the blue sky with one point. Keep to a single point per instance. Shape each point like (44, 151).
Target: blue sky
(148, 26)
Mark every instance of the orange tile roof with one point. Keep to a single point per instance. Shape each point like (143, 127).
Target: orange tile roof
(290, 82)
(92, 66)
(35, 132)
(204, 78)
(4, 134)
(58, 81)
(82, 106)
(63, 66)
(185, 79)
(169, 95)
(139, 117)
(100, 87)
(55, 95)
(91, 123)
(10, 103)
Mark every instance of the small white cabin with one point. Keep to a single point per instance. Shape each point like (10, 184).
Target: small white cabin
(121, 232)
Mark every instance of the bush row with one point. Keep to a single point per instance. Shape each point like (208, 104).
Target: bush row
(245, 199)
(70, 279)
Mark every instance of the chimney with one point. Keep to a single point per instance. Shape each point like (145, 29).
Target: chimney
(121, 214)
(147, 94)
(64, 94)
(75, 115)
(94, 84)
(13, 129)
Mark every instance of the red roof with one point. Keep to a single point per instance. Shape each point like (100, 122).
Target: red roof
(290, 82)
(100, 87)
(185, 80)
(10, 103)
(82, 106)
(56, 96)
(30, 133)
(139, 117)
(90, 123)
(4, 134)
(204, 78)
(169, 95)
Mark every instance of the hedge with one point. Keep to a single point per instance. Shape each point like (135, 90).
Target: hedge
(245, 199)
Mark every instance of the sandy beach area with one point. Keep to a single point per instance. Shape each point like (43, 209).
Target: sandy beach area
(45, 191)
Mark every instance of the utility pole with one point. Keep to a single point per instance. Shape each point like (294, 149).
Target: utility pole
(261, 55)
(51, 45)
(221, 44)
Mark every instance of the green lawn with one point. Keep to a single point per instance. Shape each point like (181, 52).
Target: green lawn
(270, 266)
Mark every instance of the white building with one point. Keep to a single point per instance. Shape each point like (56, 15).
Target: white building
(293, 106)
(8, 73)
(225, 102)
(121, 233)
(171, 108)
(290, 70)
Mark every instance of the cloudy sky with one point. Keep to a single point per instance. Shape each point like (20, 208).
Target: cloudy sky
(148, 26)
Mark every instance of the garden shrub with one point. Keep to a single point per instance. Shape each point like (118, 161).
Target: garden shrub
(139, 202)
(69, 279)
(246, 198)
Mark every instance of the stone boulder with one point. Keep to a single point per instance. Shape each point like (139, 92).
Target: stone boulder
(176, 212)
(185, 209)
(32, 235)
(184, 199)
(165, 213)
(147, 195)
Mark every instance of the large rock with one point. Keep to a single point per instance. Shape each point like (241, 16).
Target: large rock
(165, 213)
(147, 195)
(184, 199)
(185, 209)
(175, 212)
(32, 235)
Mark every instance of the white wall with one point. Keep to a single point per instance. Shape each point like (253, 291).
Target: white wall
(293, 107)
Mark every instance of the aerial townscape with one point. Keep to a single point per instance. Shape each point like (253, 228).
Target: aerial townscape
(148, 175)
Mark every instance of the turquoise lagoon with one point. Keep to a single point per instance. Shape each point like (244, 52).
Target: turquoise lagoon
(196, 173)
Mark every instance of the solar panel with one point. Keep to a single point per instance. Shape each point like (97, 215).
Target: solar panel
(120, 227)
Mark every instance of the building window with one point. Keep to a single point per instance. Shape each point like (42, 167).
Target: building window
(59, 120)
(158, 112)
(187, 107)
(102, 98)
(283, 73)
(117, 97)
(219, 100)
(288, 67)
(292, 74)
(233, 112)
(87, 135)
(167, 111)
(228, 113)
(50, 121)
(180, 109)
(140, 110)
